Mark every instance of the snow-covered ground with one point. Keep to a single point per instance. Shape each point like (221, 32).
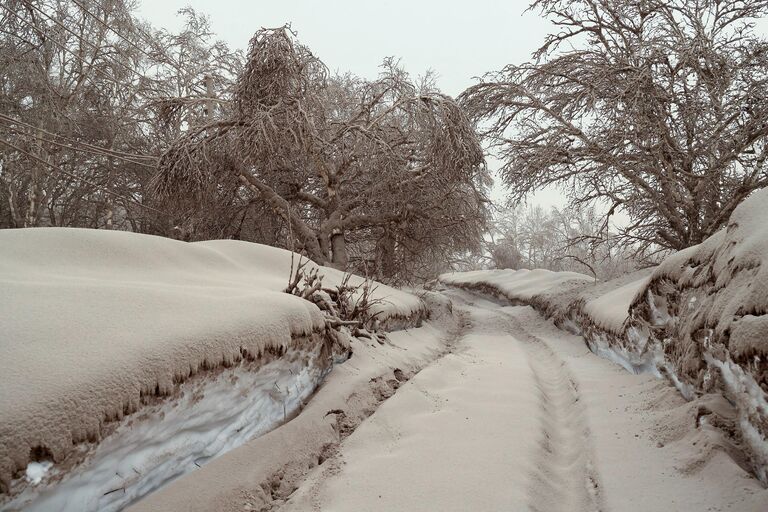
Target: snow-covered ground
(513, 414)
(699, 319)
(97, 325)
(134, 364)
(522, 285)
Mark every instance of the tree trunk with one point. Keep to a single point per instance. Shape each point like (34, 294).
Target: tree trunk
(15, 217)
(35, 193)
(339, 256)
(33, 200)
(209, 105)
(387, 255)
(110, 214)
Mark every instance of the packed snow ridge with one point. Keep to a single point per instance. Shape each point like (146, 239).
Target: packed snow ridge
(117, 343)
(700, 318)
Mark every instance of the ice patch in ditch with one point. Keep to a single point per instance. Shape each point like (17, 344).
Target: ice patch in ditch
(162, 442)
(36, 471)
(633, 363)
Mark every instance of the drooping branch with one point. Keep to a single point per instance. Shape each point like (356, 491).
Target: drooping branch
(657, 110)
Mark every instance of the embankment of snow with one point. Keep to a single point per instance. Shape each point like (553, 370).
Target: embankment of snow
(596, 310)
(211, 415)
(264, 472)
(516, 285)
(700, 318)
(98, 324)
(705, 309)
(274, 265)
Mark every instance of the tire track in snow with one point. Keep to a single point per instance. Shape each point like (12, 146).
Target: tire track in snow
(563, 477)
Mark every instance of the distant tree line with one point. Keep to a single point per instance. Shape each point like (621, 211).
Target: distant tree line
(555, 239)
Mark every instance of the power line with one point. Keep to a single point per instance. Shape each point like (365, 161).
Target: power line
(68, 146)
(84, 180)
(90, 148)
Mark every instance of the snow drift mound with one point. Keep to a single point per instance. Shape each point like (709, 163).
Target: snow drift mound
(705, 310)
(521, 285)
(96, 324)
(597, 311)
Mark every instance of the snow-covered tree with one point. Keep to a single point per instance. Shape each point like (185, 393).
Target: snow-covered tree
(89, 99)
(387, 169)
(657, 108)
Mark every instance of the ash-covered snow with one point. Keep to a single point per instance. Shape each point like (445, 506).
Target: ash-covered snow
(210, 417)
(706, 308)
(97, 324)
(700, 318)
(520, 284)
(610, 310)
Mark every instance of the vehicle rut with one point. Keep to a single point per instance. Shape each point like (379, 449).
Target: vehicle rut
(564, 477)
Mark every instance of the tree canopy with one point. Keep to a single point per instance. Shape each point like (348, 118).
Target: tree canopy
(388, 172)
(655, 108)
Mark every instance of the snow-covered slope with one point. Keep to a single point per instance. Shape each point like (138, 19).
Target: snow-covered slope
(95, 325)
(274, 266)
(705, 311)
(522, 285)
(610, 310)
(700, 318)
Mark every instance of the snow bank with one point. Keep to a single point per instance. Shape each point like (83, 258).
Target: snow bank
(700, 318)
(211, 416)
(610, 310)
(392, 303)
(285, 455)
(706, 310)
(521, 285)
(96, 324)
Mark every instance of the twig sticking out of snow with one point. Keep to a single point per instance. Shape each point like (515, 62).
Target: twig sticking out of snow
(348, 308)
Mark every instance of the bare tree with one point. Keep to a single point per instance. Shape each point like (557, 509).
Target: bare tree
(387, 170)
(654, 107)
(84, 112)
(533, 237)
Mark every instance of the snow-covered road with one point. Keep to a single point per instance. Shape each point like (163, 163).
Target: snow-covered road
(521, 416)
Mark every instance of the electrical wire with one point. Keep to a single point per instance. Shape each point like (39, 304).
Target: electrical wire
(90, 148)
(84, 180)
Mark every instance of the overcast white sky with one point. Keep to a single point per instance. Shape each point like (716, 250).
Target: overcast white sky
(458, 40)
